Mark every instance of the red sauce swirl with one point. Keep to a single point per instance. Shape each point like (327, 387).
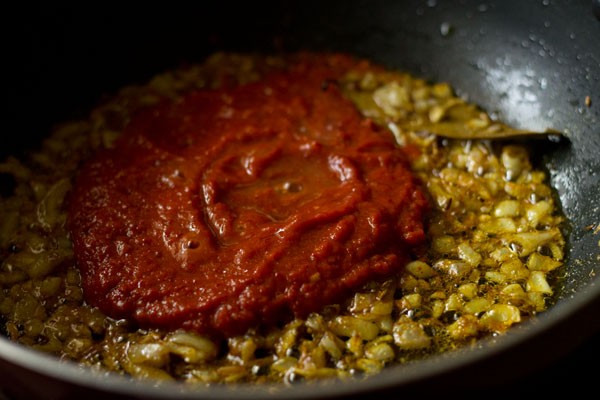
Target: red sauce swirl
(244, 206)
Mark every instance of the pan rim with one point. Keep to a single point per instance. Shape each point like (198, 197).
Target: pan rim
(69, 372)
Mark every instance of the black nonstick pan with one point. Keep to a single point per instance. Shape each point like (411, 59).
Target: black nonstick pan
(535, 64)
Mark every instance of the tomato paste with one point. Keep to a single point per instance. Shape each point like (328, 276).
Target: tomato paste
(243, 206)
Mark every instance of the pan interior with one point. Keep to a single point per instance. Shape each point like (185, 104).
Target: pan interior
(528, 66)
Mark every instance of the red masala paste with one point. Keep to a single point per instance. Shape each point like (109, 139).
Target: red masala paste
(244, 206)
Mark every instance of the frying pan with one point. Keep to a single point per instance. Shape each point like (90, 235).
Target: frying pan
(532, 63)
